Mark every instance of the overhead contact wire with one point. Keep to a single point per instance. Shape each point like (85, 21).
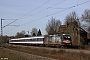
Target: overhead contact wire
(56, 13)
(27, 14)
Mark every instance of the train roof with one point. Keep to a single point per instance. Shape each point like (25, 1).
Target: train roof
(65, 34)
(29, 38)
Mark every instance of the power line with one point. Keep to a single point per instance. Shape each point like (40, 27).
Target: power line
(59, 8)
(58, 12)
(55, 13)
(11, 22)
(38, 11)
(38, 7)
(48, 7)
(43, 9)
(28, 13)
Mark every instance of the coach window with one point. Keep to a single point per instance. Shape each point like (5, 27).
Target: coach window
(38, 39)
(35, 39)
(15, 40)
(11, 41)
(24, 40)
(27, 39)
(41, 39)
(31, 39)
(18, 40)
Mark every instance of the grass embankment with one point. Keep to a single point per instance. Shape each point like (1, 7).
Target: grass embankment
(8, 55)
(87, 48)
(56, 54)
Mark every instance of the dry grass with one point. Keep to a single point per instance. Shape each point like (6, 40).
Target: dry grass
(87, 47)
(56, 54)
(5, 54)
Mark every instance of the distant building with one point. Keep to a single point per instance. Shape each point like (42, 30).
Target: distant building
(73, 31)
(62, 29)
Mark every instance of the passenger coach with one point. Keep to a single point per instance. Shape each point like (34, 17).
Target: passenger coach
(46, 40)
(28, 40)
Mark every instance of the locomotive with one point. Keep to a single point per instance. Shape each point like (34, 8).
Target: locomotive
(46, 40)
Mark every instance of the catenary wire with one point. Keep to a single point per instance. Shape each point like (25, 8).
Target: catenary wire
(54, 13)
(27, 13)
(36, 12)
(48, 7)
(57, 12)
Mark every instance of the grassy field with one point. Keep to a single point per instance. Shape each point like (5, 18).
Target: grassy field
(7, 55)
(60, 54)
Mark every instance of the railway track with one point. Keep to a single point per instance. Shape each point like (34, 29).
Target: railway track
(70, 49)
(54, 53)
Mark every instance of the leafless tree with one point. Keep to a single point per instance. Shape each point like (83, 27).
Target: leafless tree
(34, 31)
(86, 15)
(72, 22)
(71, 18)
(86, 19)
(20, 34)
(52, 26)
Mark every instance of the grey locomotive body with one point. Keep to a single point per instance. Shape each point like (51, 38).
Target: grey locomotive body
(58, 40)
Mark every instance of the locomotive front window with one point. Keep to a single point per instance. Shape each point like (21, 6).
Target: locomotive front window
(66, 37)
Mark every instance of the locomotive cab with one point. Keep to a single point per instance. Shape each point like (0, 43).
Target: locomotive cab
(66, 39)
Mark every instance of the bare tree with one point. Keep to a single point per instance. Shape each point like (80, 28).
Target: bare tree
(71, 17)
(72, 26)
(52, 26)
(20, 34)
(86, 15)
(34, 31)
(86, 19)
(23, 32)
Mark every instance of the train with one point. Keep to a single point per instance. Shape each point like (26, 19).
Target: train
(45, 40)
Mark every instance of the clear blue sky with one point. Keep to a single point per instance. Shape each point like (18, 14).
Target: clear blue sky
(27, 11)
